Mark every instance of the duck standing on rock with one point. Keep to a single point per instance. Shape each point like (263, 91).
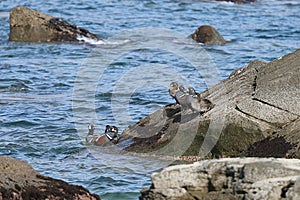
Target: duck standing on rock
(173, 88)
(199, 104)
(180, 94)
(182, 97)
(192, 91)
(189, 98)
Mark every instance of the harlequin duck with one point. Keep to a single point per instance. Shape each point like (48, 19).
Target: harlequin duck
(179, 93)
(199, 104)
(189, 98)
(110, 135)
(173, 88)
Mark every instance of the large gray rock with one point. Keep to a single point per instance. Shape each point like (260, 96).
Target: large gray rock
(18, 181)
(230, 178)
(27, 25)
(258, 101)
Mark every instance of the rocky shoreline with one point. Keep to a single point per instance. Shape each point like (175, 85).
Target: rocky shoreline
(255, 108)
(259, 105)
(256, 114)
(230, 178)
(18, 180)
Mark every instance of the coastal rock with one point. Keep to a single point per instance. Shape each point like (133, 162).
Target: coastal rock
(208, 35)
(18, 180)
(229, 178)
(286, 141)
(27, 25)
(259, 102)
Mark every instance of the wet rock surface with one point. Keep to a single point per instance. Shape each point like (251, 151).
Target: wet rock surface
(18, 180)
(27, 25)
(229, 178)
(256, 108)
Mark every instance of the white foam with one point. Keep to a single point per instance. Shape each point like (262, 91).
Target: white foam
(99, 42)
(226, 2)
(4, 14)
(222, 2)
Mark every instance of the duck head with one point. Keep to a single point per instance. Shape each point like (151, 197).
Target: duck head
(182, 89)
(112, 129)
(173, 88)
(91, 129)
(191, 91)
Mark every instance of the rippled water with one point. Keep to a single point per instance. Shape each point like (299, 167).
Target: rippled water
(50, 92)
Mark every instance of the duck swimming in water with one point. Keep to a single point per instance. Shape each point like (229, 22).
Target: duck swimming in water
(90, 136)
(110, 136)
(111, 133)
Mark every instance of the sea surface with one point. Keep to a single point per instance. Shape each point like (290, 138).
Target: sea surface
(49, 93)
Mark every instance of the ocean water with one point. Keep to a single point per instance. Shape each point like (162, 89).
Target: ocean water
(49, 93)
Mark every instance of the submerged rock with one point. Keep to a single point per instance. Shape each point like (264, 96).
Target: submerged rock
(27, 25)
(18, 180)
(208, 35)
(230, 178)
(256, 103)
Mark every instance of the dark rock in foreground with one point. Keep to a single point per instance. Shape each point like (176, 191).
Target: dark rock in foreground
(208, 35)
(256, 113)
(27, 25)
(18, 180)
(230, 178)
